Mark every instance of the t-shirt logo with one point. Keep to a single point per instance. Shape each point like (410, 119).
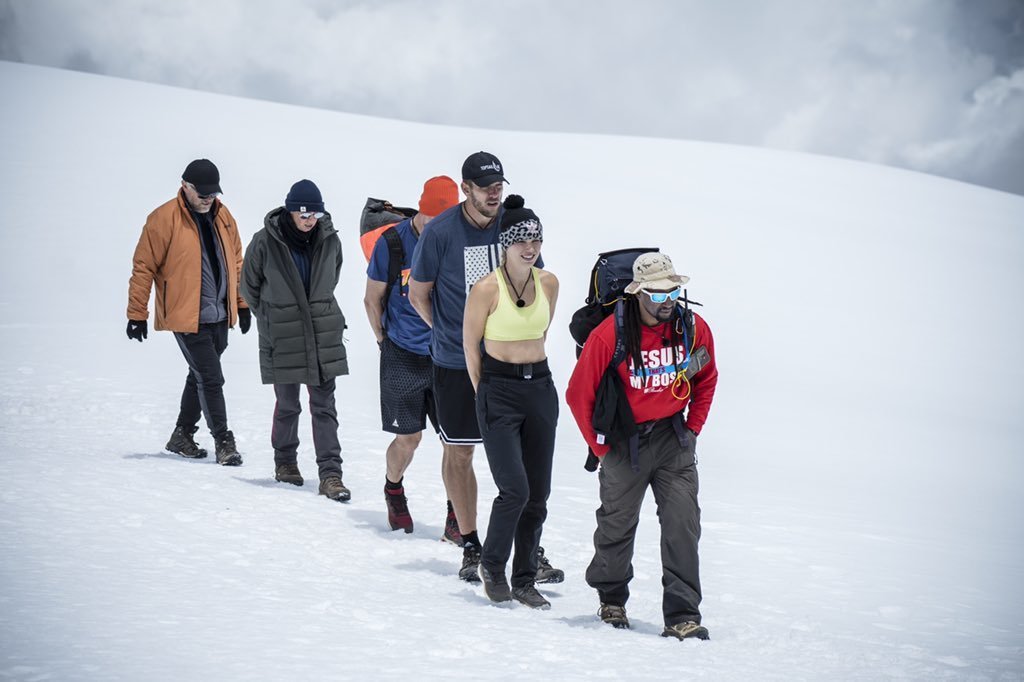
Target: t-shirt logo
(660, 369)
(479, 261)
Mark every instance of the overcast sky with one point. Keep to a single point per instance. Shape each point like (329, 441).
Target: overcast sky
(932, 85)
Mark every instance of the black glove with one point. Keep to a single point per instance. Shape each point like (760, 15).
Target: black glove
(244, 319)
(138, 329)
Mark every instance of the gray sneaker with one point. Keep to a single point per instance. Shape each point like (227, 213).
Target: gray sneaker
(528, 594)
(495, 586)
(288, 473)
(332, 488)
(182, 443)
(686, 630)
(227, 453)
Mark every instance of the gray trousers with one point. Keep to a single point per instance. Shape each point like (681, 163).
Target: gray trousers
(284, 435)
(671, 472)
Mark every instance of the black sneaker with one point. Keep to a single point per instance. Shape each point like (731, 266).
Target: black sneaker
(686, 630)
(288, 473)
(227, 453)
(182, 443)
(470, 563)
(545, 573)
(398, 509)
(333, 489)
(614, 615)
(495, 586)
(528, 594)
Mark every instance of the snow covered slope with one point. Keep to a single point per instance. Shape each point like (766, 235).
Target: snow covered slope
(860, 468)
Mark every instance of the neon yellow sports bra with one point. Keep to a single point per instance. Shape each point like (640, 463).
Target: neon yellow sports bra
(509, 323)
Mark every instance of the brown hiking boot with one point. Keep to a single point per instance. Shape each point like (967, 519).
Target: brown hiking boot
(288, 473)
(227, 453)
(334, 489)
(614, 615)
(182, 443)
(687, 630)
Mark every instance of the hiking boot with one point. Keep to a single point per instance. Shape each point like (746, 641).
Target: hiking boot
(451, 530)
(614, 615)
(686, 630)
(528, 594)
(182, 443)
(495, 586)
(334, 489)
(288, 473)
(470, 563)
(545, 573)
(227, 453)
(398, 509)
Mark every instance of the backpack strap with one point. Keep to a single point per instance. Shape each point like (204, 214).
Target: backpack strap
(396, 255)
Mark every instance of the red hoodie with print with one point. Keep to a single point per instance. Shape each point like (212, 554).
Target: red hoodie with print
(656, 396)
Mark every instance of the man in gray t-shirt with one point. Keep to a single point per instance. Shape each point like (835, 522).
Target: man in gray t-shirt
(460, 247)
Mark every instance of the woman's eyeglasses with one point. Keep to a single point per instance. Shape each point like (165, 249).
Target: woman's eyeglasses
(307, 216)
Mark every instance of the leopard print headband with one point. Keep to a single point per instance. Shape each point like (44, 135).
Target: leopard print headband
(524, 231)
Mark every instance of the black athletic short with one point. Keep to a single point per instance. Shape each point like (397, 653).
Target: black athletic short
(456, 406)
(406, 390)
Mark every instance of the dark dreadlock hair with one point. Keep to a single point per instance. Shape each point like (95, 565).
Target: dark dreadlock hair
(632, 329)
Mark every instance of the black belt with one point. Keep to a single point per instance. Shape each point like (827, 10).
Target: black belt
(529, 370)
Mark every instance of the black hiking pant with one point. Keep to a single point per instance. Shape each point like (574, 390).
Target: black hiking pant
(284, 434)
(517, 417)
(203, 394)
(671, 472)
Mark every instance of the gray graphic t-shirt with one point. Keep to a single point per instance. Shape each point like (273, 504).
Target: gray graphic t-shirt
(453, 254)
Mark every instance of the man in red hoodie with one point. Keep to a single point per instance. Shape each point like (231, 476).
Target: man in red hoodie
(668, 377)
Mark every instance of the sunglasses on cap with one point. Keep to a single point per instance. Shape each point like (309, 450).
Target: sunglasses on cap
(662, 296)
(306, 216)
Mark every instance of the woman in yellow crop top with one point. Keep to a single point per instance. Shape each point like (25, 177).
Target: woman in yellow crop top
(508, 313)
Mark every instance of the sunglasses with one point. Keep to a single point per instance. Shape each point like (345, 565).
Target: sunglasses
(662, 296)
(306, 216)
(204, 197)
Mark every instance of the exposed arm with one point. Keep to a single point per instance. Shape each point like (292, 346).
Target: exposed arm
(373, 301)
(481, 299)
(419, 297)
(550, 285)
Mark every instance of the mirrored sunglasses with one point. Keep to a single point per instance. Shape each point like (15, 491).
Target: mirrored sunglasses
(662, 296)
(306, 216)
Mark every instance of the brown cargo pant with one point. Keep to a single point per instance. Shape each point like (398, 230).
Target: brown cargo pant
(671, 471)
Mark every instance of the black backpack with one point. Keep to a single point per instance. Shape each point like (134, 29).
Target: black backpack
(378, 220)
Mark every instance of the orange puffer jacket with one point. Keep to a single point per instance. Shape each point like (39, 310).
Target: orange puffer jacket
(169, 254)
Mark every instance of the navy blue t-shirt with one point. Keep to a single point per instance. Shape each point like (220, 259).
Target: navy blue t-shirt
(405, 327)
(453, 254)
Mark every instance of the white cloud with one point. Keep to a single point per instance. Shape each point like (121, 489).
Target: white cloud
(931, 85)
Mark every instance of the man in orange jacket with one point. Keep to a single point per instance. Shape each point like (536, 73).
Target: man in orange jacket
(191, 250)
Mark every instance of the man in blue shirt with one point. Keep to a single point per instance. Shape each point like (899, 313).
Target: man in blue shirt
(460, 248)
(406, 385)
